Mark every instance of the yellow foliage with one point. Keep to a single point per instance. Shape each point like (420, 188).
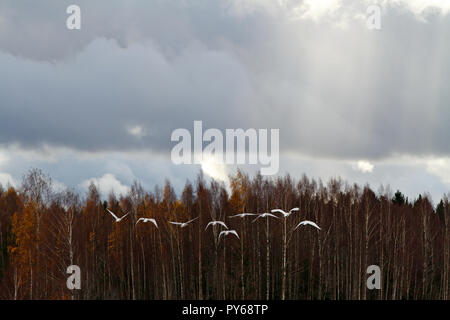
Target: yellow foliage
(24, 231)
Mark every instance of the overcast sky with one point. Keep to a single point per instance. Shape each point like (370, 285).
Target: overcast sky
(100, 103)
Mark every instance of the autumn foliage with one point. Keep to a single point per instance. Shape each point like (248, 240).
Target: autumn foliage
(42, 232)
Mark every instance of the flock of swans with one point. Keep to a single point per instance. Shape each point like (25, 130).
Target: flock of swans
(222, 224)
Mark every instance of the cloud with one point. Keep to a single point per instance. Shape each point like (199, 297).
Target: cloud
(156, 91)
(316, 9)
(364, 166)
(424, 7)
(214, 169)
(72, 167)
(6, 178)
(440, 168)
(3, 159)
(107, 183)
(337, 13)
(106, 99)
(229, 78)
(137, 131)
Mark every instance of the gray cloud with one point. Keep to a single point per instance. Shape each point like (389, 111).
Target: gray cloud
(335, 89)
(335, 92)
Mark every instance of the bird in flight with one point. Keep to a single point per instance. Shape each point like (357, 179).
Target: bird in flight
(265, 215)
(145, 220)
(227, 232)
(242, 215)
(115, 217)
(284, 213)
(213, 223)
(307, 222)
(183, 224)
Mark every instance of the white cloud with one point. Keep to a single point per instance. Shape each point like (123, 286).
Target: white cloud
(107, 183)
(316, 9)
(214, 169)
(3, 158)
(6, 178)
(339, 12)
(423, 7)
(137, 131)
(439, 167)
(364, 166)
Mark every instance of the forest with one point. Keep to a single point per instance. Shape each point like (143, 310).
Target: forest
(43, 231)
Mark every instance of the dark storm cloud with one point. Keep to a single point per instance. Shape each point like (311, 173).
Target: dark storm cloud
(91, 101)
(333, 92)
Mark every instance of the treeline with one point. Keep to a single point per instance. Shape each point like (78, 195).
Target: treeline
(42, 232)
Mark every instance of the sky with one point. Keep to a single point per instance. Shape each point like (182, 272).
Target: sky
(99, 104)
